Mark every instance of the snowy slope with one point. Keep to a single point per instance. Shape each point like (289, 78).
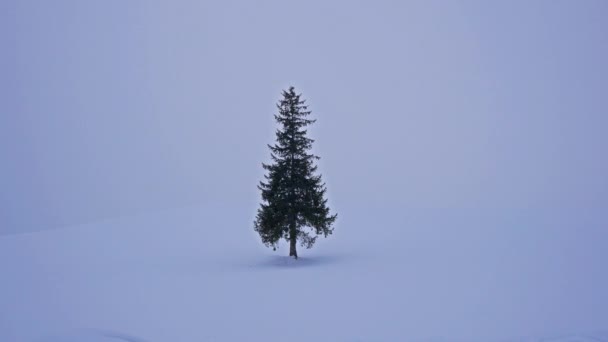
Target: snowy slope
(195, 275)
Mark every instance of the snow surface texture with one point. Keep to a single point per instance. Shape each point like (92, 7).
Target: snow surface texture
(195, 275)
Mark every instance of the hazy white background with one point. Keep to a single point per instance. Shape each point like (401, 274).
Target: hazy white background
(116, 107)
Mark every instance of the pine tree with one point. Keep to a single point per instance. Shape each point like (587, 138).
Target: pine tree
(293, 194)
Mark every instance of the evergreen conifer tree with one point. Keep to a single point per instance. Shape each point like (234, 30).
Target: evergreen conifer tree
(293, 207)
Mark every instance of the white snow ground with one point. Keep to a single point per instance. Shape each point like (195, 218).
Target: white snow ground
(196, 274)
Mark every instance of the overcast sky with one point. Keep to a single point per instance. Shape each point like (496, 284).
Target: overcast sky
(113, 108)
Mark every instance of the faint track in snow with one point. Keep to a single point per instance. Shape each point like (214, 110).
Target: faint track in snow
(574, 338)
(120, 336)
(94, 335)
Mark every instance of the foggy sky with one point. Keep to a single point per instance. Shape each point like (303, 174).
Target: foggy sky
(112, 108)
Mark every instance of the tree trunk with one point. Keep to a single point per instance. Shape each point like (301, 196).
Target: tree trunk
(292, 243)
